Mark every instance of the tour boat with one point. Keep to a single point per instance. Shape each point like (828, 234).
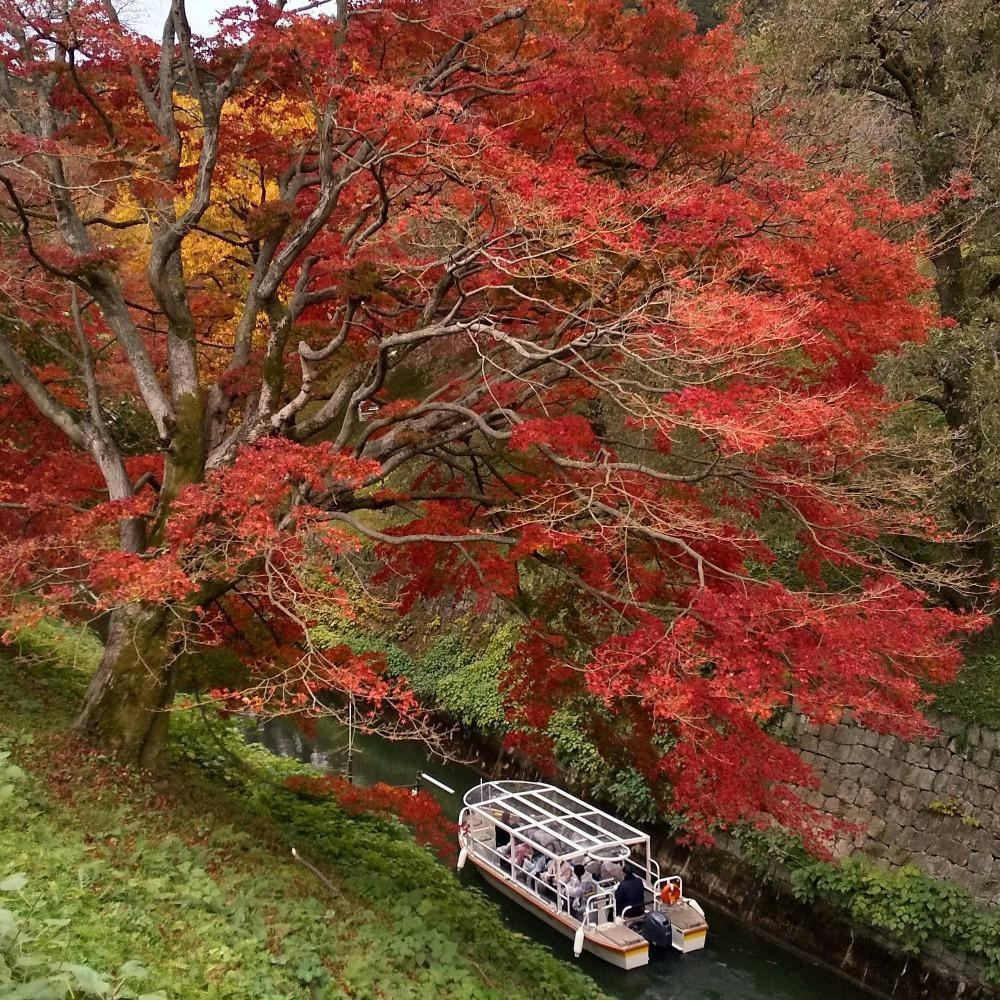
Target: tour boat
(550, 831)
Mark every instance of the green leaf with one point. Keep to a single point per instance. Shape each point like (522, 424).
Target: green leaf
(87, 980)
(133, 970)
(37, 989)
(9, 922)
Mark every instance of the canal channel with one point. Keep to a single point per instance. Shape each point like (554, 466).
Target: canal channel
(736, 964)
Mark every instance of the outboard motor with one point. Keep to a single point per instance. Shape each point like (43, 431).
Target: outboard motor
(656, 929)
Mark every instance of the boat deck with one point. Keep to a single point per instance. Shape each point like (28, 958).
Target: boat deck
(618, 936)
(684, 917)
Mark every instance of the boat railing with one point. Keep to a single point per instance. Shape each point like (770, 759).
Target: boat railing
(601, 908)
(672, 882)
(540, 887)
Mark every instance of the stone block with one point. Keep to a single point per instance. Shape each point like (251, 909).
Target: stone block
(868, 738)
(847, 792)
(869, 759)
(973, 735)
(937, 760)
(896, 815)
(893, 831)
(965, 878)
(866, 799)
(826, 747)
(936, 866)
(876, 828)
(969, 771)
(917, 755)
(877, 784)
(916, 842)
(832, 805)
(956, 851)
(908, 798)
(892, 792)
(954, 765)
(851, 772)
(896, 769)
(989, 739)
(828, 786)
(826, 731)
(941, 781)
(982, 797)
(886, 744)
(808, 741)
(925, 779)
(980, 864)
(897, 854)
(981, 757)
(984, 842)
(844, 753)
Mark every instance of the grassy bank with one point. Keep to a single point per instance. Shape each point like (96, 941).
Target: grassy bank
(112, 886)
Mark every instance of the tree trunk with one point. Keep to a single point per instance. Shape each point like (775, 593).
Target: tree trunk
(125, 710)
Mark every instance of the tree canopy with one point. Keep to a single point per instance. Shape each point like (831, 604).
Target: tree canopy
(531, 302)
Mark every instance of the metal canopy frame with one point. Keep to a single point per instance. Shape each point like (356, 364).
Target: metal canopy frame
(542, 814)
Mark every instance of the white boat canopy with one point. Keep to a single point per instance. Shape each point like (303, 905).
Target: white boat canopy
(556, 823)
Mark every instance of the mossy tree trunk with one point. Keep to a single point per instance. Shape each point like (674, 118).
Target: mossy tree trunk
(126, 708)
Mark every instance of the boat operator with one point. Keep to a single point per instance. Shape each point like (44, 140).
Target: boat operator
(630, 897)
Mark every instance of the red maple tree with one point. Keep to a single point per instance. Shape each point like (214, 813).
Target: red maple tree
(529, 301)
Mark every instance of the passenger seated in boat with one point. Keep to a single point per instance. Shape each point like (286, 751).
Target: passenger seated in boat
(581, 887)
(522, 854)
(605, 869)
(612, 870)
(630, 896)
(536, 864)
(501, 835)
(559, 871)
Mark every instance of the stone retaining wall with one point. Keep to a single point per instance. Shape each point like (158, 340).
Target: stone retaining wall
(819, 932)
(934, 804)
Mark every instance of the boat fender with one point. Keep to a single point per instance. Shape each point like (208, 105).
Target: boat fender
(670, 893)
(462, 855)
(578, 942)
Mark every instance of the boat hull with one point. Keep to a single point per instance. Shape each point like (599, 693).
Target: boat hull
(625, 957)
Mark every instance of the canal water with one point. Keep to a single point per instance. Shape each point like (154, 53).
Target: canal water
(735, 965)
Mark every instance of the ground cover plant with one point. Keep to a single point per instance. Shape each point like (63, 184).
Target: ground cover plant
(112, 887)
(905, 903)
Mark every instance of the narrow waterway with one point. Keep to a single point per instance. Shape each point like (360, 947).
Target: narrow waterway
(735, 965)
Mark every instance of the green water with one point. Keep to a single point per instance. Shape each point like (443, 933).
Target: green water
(735, 965)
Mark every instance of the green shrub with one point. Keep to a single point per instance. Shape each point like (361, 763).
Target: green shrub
(905, 903)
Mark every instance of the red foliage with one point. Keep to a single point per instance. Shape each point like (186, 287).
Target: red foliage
(528, 304)
(421, 811)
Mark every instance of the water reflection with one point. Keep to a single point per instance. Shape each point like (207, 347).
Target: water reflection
(735, 965)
